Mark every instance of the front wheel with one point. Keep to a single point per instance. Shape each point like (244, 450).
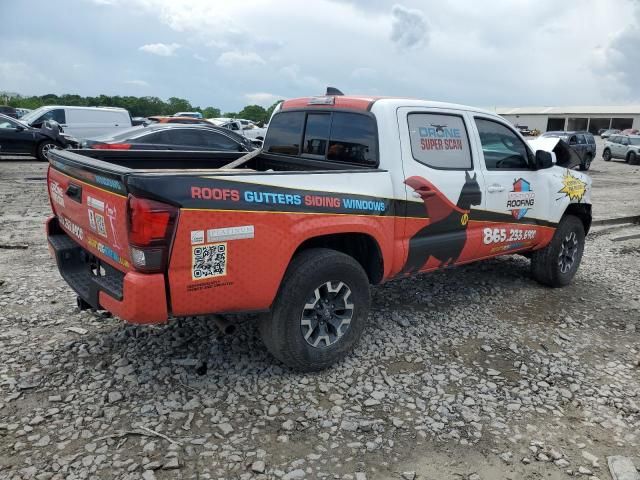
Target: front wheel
(43, 150)
(606, 155)
(320, 312)
(557, 263)
(632, 158)
(586, 164)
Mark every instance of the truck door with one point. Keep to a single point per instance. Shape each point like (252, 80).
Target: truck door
(517, 196)
(443, 188)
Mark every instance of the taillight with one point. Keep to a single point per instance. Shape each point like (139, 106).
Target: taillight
(151, 227)
(111, 146)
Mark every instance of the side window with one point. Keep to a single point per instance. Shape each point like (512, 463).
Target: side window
(439, 141)
(591, 140)
(353, 139)
(285, 133)
(624, 141)
(581, 140)
(184, 137)
(316, 134)
(7, 124)
(613, 139)
(220, 142)
(572, 140)
(57, 115)
(501, 148)
(157, 138)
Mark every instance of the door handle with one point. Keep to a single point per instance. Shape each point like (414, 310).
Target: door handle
(495, 188)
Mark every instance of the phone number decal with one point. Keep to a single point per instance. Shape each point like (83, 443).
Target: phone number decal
(501, 235)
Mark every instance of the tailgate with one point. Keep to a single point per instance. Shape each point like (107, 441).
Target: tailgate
(90, 200)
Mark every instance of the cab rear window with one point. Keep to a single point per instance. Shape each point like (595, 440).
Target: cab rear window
(336, 136)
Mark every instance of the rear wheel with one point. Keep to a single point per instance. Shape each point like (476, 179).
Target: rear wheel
(586, 164)
(606, 155)
(43, 149)
(557, 263)
(320, 312)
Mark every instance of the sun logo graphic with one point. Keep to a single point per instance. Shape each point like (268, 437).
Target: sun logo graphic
(521, 198)
(573, 187)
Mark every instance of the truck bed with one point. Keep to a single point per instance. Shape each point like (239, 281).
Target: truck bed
(182, 161)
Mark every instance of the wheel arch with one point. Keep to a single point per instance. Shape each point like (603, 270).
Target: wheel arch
(363, 247)
(583, 212)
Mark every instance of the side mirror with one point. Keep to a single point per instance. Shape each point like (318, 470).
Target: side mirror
(544, 160)
(19, 128)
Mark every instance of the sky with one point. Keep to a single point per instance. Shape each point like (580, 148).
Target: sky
(228, 54)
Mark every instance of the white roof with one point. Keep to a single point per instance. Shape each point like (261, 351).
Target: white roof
(580, 110)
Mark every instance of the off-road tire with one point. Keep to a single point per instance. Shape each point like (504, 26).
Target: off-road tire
(43, 148)
(545, 263)
(281, 329)
(632, 158)
(586, 164)
(606, 155)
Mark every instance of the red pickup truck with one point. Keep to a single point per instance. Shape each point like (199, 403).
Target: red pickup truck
(347, 192)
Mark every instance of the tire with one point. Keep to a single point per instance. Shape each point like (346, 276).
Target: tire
(584, 166)
(557, 263)
(632, 158)
(43, 149)
(290, 337)
(606, 155)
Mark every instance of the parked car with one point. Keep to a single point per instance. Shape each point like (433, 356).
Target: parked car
(188, 114)
(609, 132)
(524, 130)
(171, 136)
(138, 121)
(625, 147)
(582, 142)
(248, 129)
(17, 138)
(21, 112)
(174, 119)
(631, 131)
(8, 111)
(347, 192)
(81, 122)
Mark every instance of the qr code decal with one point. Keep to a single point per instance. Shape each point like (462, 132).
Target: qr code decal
(209, 261)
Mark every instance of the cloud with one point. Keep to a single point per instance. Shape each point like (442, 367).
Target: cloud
(618, 62)
(239, 59)
(137, 83)
(409, 28)
(263, 98)
(162, 49)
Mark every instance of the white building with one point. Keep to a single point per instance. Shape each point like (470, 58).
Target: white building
(574, 118)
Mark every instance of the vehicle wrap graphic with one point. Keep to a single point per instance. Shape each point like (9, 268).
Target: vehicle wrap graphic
(521, 198)
(446, 234)
(572, 187)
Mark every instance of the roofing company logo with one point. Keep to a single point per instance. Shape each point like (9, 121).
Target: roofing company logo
(572, 187)
(520, 199)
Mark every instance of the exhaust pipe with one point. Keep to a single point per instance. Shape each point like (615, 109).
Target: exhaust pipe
(224, 326)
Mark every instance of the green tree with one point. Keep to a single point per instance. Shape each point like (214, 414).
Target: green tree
(211, 112)
(255, 113)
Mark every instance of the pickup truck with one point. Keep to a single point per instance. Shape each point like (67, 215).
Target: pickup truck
(346, 192)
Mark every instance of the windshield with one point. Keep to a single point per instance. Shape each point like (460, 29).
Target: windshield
(34, 114)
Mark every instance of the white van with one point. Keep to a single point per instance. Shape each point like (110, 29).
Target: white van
(81, 122)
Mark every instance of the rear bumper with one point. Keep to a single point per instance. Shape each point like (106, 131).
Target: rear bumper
(132, 296)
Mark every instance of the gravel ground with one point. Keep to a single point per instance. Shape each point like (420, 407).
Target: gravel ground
(474, 373)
